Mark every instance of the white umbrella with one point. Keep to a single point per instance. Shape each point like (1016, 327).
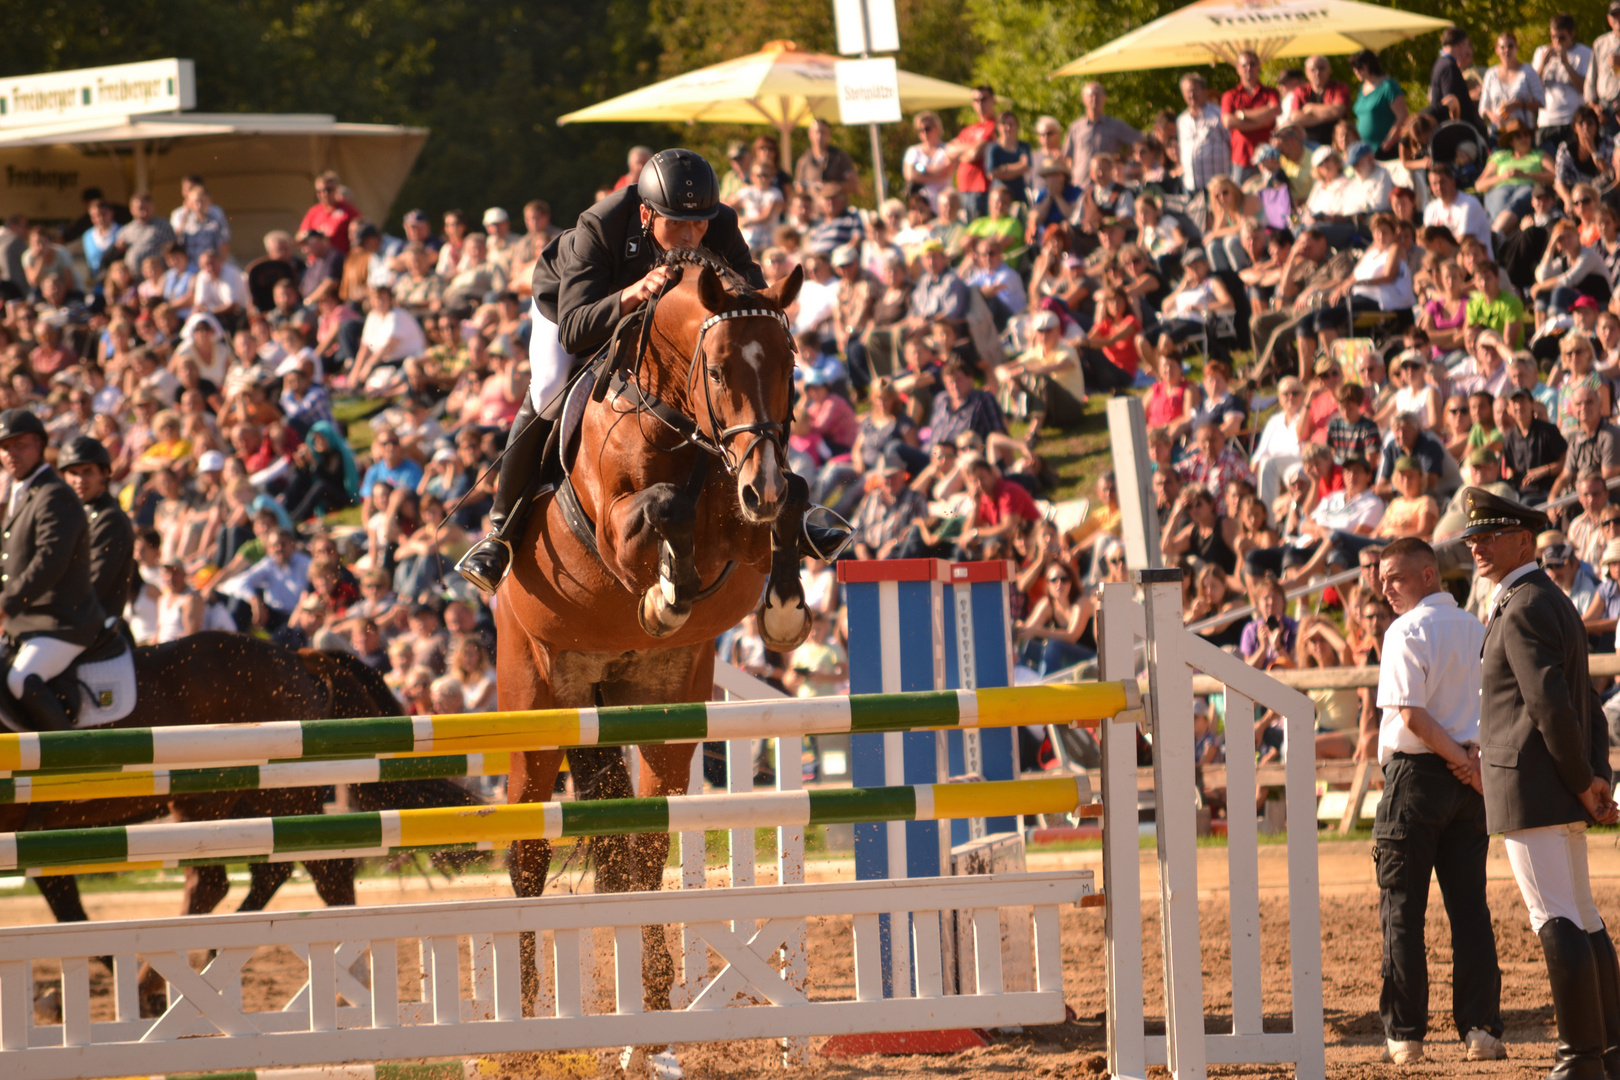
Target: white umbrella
(1218, 30)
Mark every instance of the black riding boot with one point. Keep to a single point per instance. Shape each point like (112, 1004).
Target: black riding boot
(42, 705)
(1577, 1001)
(489, 559)
(1608, 973)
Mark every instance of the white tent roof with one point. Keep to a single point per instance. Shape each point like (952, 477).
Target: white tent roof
(260, 167)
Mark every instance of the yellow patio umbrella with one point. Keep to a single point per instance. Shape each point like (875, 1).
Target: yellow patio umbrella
(1210, 31)
(781, 85)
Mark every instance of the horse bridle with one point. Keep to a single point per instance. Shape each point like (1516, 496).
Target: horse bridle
(688, 428)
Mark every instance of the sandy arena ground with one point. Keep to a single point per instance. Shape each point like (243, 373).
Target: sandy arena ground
(1350, 947)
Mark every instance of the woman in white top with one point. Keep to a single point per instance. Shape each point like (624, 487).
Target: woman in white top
(180, 608)
(469, 664)
(1511, 88)
(1332, 203)
(204, 345)
(928, 163)
(1381, 281)
(1370, 182)
(1414, 394)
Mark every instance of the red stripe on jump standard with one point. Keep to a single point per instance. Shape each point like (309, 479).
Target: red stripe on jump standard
(973, 572)
(863, 572)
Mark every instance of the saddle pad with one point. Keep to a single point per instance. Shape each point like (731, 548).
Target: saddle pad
(106, 690)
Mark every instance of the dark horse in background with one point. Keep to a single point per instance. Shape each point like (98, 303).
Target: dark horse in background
(673, 516)
(218, 678)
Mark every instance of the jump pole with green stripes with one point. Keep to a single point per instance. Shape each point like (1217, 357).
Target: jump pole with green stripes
(540, 729)
(379, 831)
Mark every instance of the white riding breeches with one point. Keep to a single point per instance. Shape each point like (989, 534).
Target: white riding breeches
(549, 364)
(1550, 866)
(43, 656)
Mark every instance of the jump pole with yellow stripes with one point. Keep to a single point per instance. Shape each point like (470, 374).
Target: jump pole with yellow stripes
(334, 835)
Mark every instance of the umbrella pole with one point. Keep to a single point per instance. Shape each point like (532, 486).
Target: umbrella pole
(877, 164)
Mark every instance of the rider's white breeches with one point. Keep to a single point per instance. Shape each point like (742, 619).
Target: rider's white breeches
(549, 364)
(43, 656)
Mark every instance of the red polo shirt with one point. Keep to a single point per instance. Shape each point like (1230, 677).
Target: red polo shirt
(1006, 500)
(1245, 143)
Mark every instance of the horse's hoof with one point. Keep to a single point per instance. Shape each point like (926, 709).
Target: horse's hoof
(784, 622)
(638, 1061)
(657, 618)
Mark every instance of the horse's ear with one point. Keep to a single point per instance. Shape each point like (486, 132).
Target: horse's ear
(784, 292)
(711, 291)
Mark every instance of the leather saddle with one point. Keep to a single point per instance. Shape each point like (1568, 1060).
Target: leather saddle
(70, 688)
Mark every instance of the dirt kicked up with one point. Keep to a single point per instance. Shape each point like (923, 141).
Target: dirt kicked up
(1350, 949)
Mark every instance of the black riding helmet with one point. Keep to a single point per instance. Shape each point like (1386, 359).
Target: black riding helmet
(680, 185)
(84, 451)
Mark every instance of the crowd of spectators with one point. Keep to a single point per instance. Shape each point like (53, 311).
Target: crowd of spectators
(1338, 309)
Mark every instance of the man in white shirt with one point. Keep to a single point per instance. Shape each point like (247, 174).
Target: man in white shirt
(1563, 65)
(390, 336)
(1456, 210)
(1344, 521)
(1206, 148)
(1432, 816)
(220, 288)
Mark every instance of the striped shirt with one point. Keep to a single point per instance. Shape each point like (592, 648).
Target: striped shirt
(1206, 150)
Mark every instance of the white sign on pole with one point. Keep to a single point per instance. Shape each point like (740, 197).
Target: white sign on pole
(868, 91)
(152, 86)
(879, 34)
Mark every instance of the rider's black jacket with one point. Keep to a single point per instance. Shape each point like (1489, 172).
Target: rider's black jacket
(45, 565)
(581, 273)
(112, 552)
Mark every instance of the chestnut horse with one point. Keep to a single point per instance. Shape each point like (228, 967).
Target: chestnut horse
(625, 612)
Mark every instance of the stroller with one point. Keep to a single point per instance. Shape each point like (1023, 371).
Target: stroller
(1458, 144)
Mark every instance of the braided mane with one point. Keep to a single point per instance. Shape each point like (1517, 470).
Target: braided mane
(735, 283)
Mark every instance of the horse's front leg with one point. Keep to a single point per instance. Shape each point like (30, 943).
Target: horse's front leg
(652, 531)
(784, 617)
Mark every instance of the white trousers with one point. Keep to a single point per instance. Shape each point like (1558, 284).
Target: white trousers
(43, 656)
(549, 364)
(1550, 867)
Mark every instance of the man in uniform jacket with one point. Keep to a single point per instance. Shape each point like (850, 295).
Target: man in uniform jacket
(51, 612)
(86, 465)
(588, 279)
(1545, 770)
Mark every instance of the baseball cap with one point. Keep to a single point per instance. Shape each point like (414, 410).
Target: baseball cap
(443, 454)
(415, 217)
(1266, 152)
(1557, 554)
(1481, 456)
(1357, 151)
(931, 244)
(815, 377)
(1044, 320)
(1407, 463)
(1325, 364)
(1321, 154)
(495, 216)
(288, 366)
(735, 150)
(845, 255)
(211, 461)
(1584, 302)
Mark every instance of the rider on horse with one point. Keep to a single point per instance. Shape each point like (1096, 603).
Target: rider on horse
(587, 280)
(50, 609)
(87, 466)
